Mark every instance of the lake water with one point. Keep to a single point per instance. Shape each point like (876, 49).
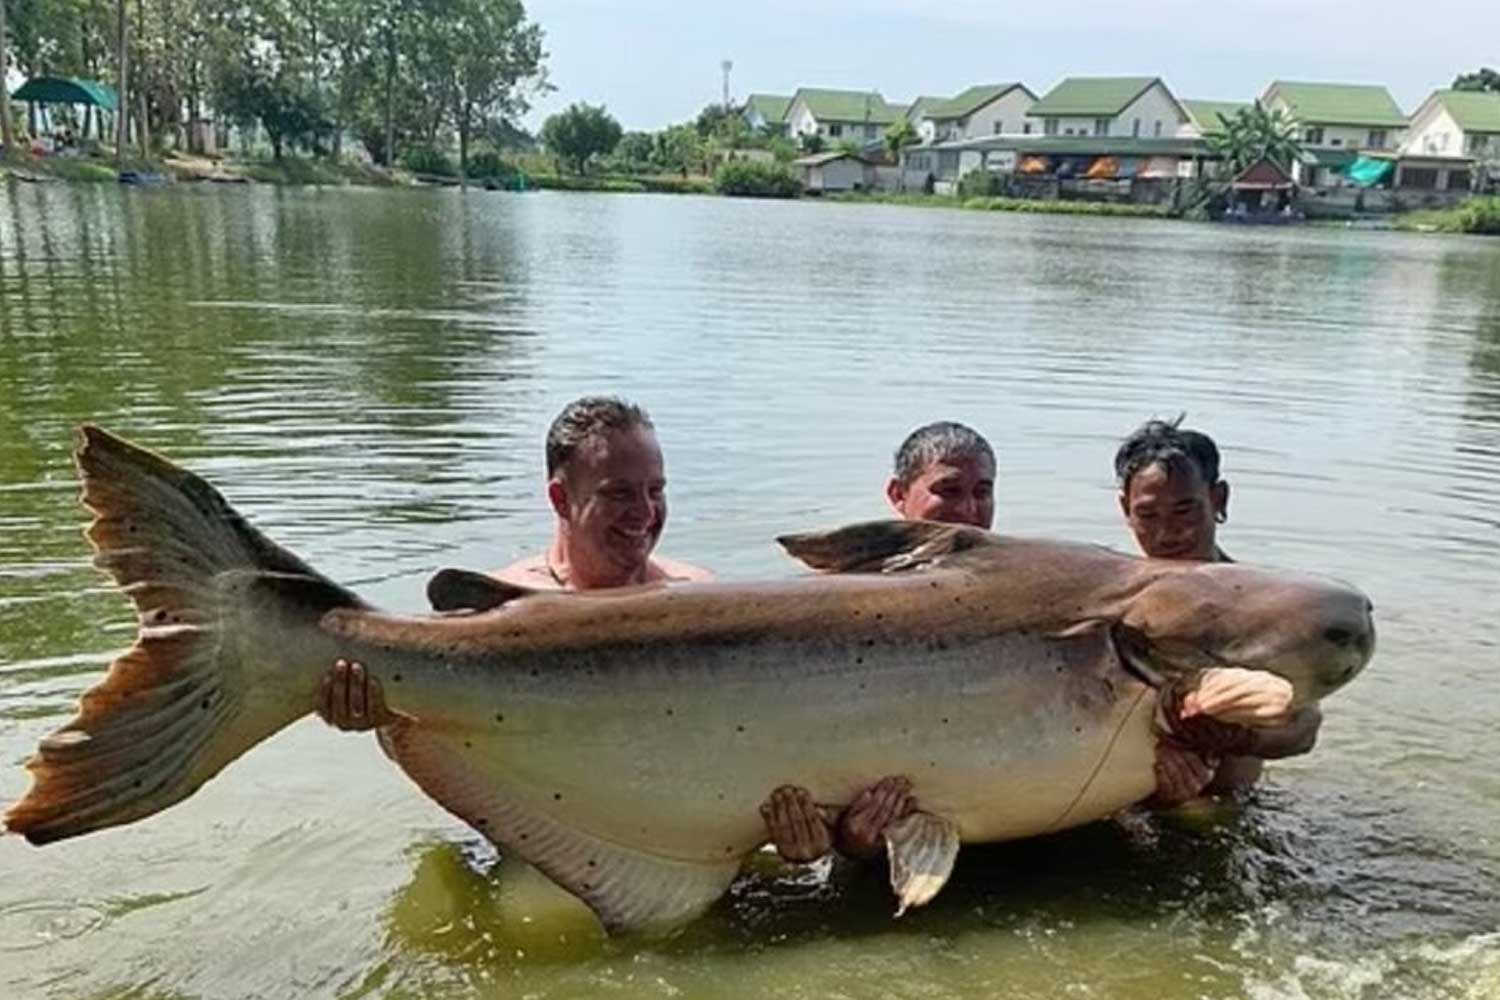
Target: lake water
(369, 375)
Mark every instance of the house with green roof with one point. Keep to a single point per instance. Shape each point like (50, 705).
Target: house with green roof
(1338, 121)
(1456, 123)
(984, 109)
(835, 115)
(1452, 138)
(766, 112)
(1138, 107)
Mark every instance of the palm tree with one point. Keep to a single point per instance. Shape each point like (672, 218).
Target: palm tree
(1253, 134)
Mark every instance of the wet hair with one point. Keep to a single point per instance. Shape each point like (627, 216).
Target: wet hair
(586, 417)
(938, 442)
(1170, 445)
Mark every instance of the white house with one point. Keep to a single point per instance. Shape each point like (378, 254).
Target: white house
(835, 115)
(1456, 123)
(1338, 121)
(986, 109)
(1136, 107)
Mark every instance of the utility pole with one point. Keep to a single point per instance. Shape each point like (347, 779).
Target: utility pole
(726, 66)
(122, 106)
(7, 133)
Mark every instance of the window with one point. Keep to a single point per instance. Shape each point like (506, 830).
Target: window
(1049, 126)
(1026, 129)
(1135, 129)
(835, 130)
(999, 127)
(870, 132)
(1458, 180)
(1157, 131)
(1419, 178)
(1101, 126)
(1477, 143)
(1313, 136)
(1376, 138)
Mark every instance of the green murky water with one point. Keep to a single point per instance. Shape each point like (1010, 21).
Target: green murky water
(369, 374)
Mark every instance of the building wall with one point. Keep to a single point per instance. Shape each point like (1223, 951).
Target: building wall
(838, 175)
(1009, 112)
(1434, 133)
(1155, 105)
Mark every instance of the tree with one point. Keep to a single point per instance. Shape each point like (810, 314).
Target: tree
(898, 136)
(811, 142)
(580, 133)
(7, 129)
(1482, 79)
(635, 149)
(495, 59)
(1253, 134)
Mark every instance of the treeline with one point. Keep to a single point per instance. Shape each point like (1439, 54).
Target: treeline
(587, 139)
(399, 75)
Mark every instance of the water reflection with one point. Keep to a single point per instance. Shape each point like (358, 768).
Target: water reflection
(368, 375)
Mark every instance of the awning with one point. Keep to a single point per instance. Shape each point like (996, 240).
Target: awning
(61, 90)
(1158, 167)
(1368, 171)
(1103, 169)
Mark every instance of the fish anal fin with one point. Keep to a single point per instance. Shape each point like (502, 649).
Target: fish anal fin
(882, 546)
(465, 590)
(630, 890)
(922, 849)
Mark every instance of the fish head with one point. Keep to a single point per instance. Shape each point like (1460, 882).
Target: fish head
(1316, 634)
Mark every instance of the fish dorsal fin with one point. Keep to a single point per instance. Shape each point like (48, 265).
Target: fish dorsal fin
(922, 849)
(465, 590)
(883, 546)
(630, 890)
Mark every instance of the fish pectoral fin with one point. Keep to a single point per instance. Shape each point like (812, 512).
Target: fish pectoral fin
(630, 890)
(922, 849)
(465, 590)
(882, 546)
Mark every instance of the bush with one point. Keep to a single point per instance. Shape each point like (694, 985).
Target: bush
(979, 183)
(1480, 215)
(1037, 207)
(745, 179)
(488, 165)
(427, 160)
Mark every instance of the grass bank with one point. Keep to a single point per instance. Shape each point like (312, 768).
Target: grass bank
(998, 204)
(623, 183)
(70, 168)
(1480, 216)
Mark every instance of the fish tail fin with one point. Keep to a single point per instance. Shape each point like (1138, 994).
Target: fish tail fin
(180, 704)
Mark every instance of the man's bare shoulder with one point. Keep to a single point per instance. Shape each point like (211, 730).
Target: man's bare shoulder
(680, 572)
(530, 572)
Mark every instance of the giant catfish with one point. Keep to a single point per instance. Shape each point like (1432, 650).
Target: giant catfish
(622, 742)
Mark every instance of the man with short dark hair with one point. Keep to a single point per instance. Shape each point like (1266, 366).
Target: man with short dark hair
(1173, 501)
(606, 484)
(944, 471)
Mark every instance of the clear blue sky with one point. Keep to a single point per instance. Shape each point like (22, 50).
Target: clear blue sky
(653, 62)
